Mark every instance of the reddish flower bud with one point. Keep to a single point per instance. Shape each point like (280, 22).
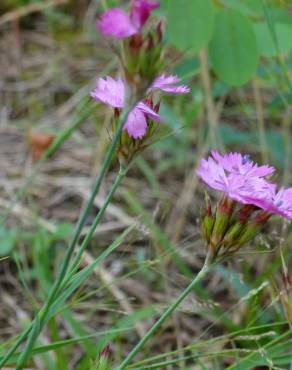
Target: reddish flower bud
(150, 42)
(157, 107)
(159, 32)
(222, 219)
(105, 352)
(136, 43)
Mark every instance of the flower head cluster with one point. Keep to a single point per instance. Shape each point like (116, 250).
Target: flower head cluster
(118, 24)
(142, 50)
(244, 183)
(113, 92)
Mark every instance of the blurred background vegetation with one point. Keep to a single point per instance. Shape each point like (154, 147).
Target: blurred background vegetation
(236, 56)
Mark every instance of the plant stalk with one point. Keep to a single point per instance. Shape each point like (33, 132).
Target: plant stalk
(82, 219)
(42, 316)
(166, 314)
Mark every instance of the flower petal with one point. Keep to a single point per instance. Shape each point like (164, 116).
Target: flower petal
(136, 124)
(141, 11)
(110, 91)
(116, 23)
(168, 84)
(148, 111)
(242, 187)
(241, 164)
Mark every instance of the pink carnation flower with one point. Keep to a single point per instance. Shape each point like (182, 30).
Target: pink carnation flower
(168, 84)
(241, 164)
(244, 188)
(119, 25)
(112, 92)
(242, 180)
(141, 11)
(279, 203)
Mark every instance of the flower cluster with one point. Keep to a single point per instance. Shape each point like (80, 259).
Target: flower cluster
(113, 92)
(118, 24)
(140, 123)
(141, 50)
(249, 200)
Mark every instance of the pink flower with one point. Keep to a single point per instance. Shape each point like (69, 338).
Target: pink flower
(119, 25)
(244, 188)
(141, 11)
(168, 84)
(241, 164)
(279, 203)
(112, 92)
(116, 23)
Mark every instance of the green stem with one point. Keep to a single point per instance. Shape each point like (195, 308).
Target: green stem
(42, 316)
(77, 258)
(166, 314)
(82, 219)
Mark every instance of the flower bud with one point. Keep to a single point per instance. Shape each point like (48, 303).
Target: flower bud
(233, 232)
(252, 228)
(207, 220)
(222, 219)
(159, 32)
(103, 361)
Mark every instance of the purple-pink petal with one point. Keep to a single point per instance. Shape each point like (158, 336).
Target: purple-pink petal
(116, 23)
(279, 203)
(241, 164)
(141, 11)
(243, 188)
(110, 91)
(148, 111)
(136, 124)
(169, 84)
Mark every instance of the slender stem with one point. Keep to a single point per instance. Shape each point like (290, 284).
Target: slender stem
(166, 314)
(82, 219)
(42, 316)
(77, 258)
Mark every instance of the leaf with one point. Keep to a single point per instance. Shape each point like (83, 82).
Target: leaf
(265, 41)
(233, 49)
(189, 23)
(247, 7)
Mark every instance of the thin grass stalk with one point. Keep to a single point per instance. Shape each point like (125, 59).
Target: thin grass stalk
(202, 273)
(76, 260)
(82, 219)
(42, 316)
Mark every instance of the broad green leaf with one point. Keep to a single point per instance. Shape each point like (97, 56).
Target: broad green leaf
(266, 44)
(189, 23)
(247, 7)
(233, 49)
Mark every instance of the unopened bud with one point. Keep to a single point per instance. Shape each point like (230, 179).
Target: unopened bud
(241, 218)
(149, 102)
(253, 227)
(159, 32)
(207, 220)
(222, 220)
(157, 107)
(104, 359)
(232, 235)
(150, 42)
(136, 43)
